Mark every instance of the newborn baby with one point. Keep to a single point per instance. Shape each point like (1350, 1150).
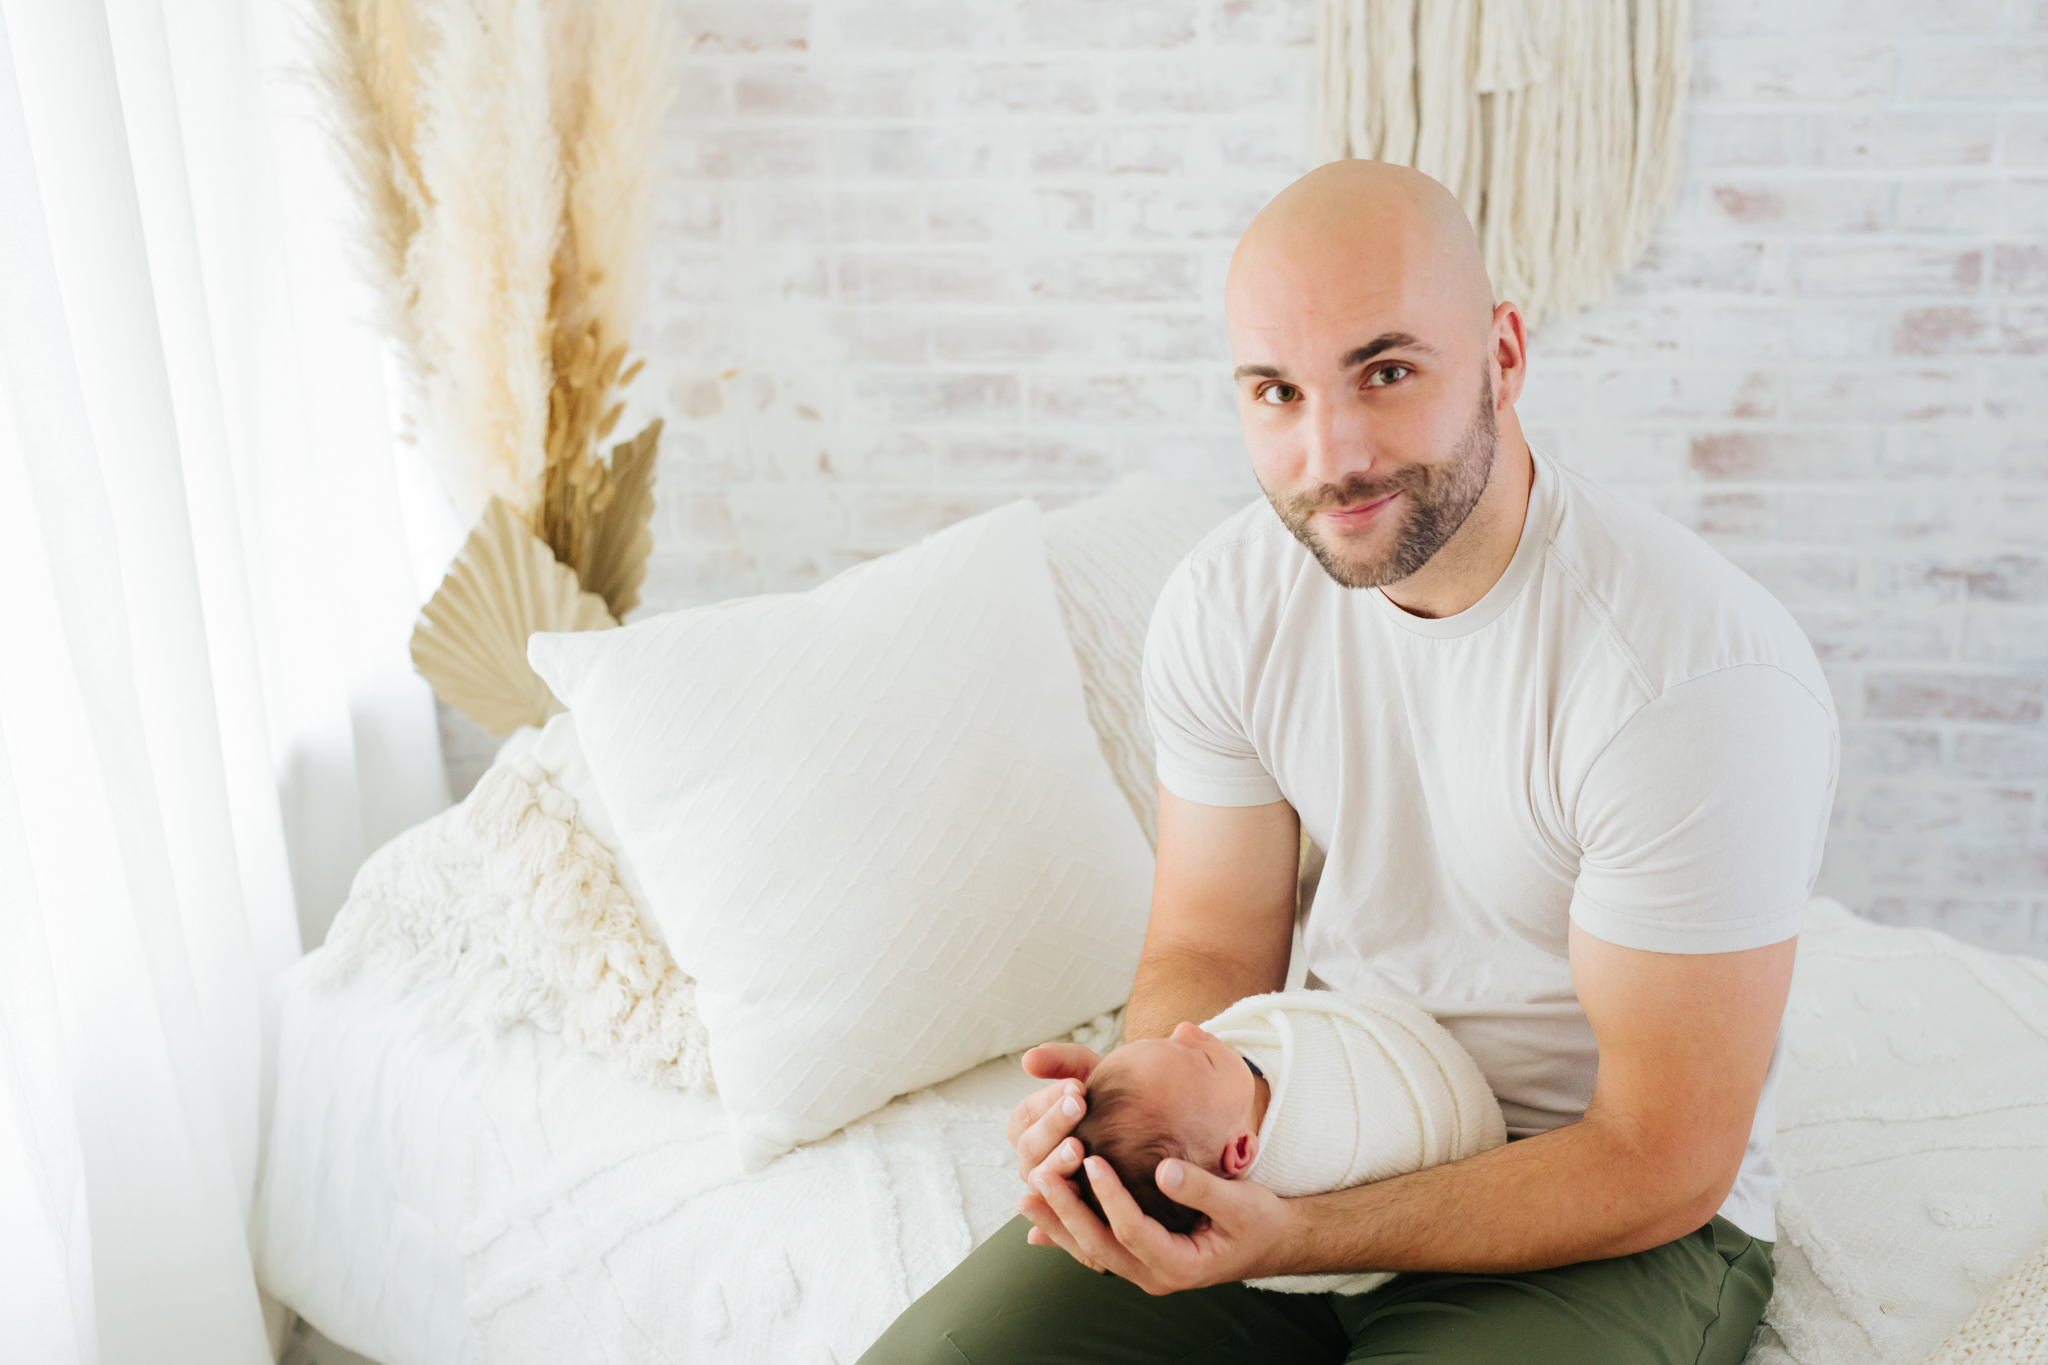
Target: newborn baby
(1302, 1091)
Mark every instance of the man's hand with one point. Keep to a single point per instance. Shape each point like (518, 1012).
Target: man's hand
(1221, 925)
(1045, 1116)
(1247, 1231)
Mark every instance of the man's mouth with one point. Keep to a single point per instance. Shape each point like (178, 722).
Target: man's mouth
(1359, 514)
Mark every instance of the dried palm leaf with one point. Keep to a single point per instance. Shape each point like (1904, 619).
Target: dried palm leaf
(470, 643)
(616, 539)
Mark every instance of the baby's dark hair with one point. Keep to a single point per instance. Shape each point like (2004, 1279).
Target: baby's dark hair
(1109, 1130)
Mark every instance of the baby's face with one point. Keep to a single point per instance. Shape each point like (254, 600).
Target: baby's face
(1200, 1085)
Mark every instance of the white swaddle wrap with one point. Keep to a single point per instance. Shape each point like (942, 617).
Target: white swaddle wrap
(1363, 1088)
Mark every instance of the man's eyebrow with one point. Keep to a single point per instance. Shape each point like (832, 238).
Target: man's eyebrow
(1386, 341)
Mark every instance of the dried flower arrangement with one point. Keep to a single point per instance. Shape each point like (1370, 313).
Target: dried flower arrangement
(502, 151)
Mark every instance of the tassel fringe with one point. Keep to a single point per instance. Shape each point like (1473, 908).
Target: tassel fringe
(508, 909)
(1555, 122)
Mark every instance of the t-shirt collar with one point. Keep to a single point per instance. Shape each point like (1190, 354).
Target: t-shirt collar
(1537, 526)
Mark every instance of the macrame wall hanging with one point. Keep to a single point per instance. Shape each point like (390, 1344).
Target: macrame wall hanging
(1555, 122)
(503, 154)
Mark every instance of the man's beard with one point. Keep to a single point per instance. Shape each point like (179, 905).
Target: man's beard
(1440, 497)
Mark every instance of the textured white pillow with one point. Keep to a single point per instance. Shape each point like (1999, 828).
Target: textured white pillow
(1110, 555)
(872, 820)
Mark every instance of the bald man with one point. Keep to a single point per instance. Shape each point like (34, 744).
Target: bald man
(1572, 773)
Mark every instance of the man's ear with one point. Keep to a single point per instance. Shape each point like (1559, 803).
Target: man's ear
(1510, 351)
(1239, 1153)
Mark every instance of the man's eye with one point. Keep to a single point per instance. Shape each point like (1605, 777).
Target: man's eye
(1277, 394)
(1376, 380)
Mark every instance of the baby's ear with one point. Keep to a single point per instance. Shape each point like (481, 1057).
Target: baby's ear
(1240, 1153)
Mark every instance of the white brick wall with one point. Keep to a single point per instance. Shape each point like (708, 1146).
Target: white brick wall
(918, 257)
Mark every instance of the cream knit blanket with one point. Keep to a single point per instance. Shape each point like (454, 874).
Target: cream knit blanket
(1363, 1088)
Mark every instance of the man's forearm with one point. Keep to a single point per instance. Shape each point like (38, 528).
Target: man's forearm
(1578, 1193)
(1172, 985)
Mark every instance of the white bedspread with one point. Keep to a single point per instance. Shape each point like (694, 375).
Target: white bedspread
(428, 1207)
(431, 1202)
(359, 1214)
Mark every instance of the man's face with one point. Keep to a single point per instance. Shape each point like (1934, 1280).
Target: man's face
(1369, 421)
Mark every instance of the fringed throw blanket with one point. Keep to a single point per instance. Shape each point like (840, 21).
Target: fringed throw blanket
(508, 909)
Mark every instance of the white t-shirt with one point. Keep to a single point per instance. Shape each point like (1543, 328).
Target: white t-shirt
(1625, 731)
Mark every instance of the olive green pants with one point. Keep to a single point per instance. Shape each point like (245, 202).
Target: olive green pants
(1695, 1301)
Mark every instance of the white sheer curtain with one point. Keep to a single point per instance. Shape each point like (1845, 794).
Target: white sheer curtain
(207, 718)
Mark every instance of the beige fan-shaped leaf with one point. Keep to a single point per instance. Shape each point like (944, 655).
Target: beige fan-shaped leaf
(617, 541)
(470, 643)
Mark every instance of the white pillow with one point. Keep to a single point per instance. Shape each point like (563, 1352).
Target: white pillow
(872, 820)
(1110, 555)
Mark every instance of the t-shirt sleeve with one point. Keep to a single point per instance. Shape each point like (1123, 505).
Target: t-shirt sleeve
(1703, 820)
(1195, 690)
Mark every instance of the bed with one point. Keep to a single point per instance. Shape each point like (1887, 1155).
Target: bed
(437, 1192)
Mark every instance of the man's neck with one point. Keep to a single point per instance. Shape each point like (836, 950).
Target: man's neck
(1473, 560)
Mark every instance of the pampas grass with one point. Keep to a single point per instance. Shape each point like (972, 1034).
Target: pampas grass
(365, 56)
(502, 151)
(484, 255)
(607, 117)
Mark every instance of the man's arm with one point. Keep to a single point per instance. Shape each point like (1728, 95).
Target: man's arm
(1222, 912)
(1685, 1041)
(1684, 1045)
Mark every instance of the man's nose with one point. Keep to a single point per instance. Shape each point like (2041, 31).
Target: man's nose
(1333, 446)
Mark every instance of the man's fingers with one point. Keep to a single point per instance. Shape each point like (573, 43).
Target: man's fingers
(1060, 1061)
(1136, 1230)
(1048, 1231)
(1065, 1064)
(1043, 1136)
(1085, 1236)
(1053, 1172)
(1062, 1162)
(1191, 1185)
(1030, 1109)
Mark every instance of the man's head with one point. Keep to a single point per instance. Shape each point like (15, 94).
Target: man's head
(1373, 368)
(1189, 1096)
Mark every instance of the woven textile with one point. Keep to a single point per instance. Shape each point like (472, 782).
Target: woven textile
(1555, 122)
(1913, 1133)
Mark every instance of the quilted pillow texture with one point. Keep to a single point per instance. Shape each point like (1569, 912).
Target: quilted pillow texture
(1110, 555)
(871, 819)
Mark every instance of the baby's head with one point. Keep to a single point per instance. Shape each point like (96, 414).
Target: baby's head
(1190, 1096)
